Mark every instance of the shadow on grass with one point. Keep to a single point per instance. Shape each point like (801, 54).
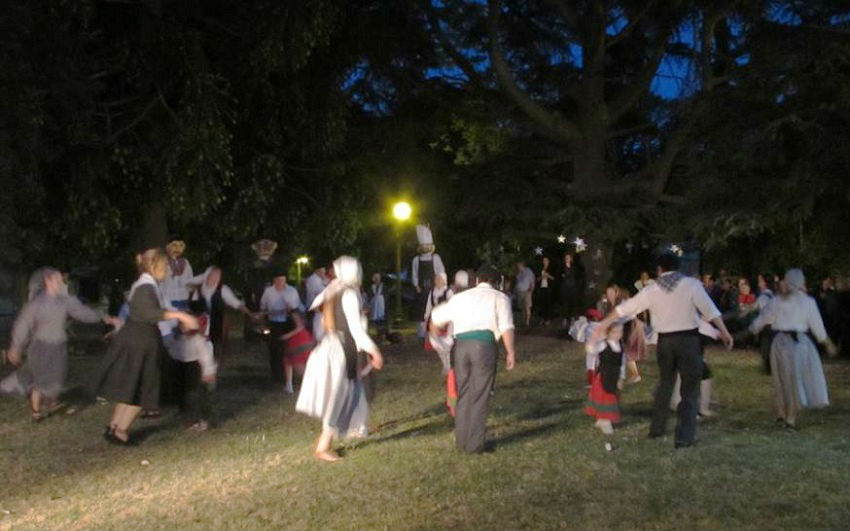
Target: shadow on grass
(529, 433)
(435, 427)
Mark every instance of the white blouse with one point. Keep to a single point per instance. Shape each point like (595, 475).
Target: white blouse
(796, 312)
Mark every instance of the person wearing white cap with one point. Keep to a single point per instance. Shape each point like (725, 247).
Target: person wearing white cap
(798, 379)
(461, 281)
(424, 266)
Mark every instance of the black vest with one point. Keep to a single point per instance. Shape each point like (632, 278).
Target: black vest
(344, 333)
(426, 274)
(609, 367)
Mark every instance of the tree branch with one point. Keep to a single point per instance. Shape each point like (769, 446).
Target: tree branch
(569, 13)
(134, 122)
(633, 22)
(552, 124)
(462, 62)
(631, 130)
(630, 95)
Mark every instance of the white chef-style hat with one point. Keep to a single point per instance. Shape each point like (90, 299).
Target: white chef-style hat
(424, 236)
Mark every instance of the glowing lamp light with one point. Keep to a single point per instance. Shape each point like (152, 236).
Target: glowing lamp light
(402, 210)
(302, 260)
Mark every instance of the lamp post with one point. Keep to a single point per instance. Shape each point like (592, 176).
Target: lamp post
(300, 261)
(401, 212)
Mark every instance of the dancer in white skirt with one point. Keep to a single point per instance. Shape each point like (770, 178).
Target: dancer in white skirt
(332, 389)
(798, 379)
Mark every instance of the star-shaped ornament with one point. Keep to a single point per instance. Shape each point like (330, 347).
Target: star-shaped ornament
(675, 249)
(580, 244)
(538, 251)
(562, 239)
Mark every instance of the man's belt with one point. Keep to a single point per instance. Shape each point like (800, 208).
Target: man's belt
(691, 332)
(486, 336)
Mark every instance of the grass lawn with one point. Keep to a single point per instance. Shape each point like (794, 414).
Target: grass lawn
(550, 469)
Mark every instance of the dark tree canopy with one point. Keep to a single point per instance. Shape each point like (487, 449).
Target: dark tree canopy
(507, 121)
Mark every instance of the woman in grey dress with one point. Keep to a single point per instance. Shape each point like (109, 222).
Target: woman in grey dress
(798, 378)
(39, 331)
(130, 373)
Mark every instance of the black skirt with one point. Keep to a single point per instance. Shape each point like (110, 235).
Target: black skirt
(130, 372)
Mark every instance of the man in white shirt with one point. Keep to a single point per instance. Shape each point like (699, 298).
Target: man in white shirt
(479, 316)
(524, 290)
(675, 303)
(277, 301)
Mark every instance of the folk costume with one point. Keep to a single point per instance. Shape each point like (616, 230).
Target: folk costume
(798, 377)
(438, 295)
(609, 368)
(39, 330)
(213, 300)
(675, 303)
(378, 305)
(175, 286)
(191, 362)
(332, 389)
(130, 371)
(479, 316)
(424, 266)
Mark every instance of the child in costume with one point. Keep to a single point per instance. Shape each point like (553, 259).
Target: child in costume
(608, 375)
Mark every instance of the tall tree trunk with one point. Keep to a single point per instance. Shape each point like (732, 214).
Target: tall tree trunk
(153, 231)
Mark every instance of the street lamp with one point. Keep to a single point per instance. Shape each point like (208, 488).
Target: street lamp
(401, 212)
(300, 261)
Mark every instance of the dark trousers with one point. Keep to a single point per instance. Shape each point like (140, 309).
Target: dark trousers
(475, 371)
(765, 339)
(682, 353)
(185, 388)
(543, 303)
(276, 346)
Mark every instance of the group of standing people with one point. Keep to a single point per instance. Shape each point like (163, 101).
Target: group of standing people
(557, 291)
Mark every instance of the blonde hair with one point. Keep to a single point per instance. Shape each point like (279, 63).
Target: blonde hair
(150, 260)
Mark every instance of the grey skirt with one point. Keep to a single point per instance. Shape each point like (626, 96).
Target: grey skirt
(45, 369)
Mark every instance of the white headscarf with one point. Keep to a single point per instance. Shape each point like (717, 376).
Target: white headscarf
(795, 280)
(348, 273)
(37, 279)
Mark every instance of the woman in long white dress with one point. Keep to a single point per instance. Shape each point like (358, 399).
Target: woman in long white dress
(798, 378)
(332, 389)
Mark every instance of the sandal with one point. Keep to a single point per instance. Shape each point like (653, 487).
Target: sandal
(37, 416)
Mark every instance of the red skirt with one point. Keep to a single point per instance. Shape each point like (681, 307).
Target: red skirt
(297, 348)
(451, 392)
(600, 403)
